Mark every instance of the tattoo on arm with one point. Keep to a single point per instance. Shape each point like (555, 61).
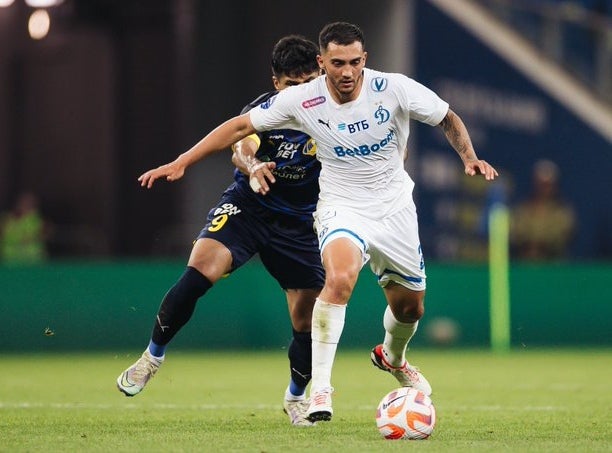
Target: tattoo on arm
(457, 135)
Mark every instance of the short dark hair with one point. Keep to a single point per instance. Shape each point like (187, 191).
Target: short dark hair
(294, 56)
(341, 33)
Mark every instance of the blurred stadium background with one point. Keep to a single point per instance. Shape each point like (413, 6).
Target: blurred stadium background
(94, 92)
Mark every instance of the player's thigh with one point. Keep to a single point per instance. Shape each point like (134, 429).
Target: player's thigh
(343, 241)
(235, 225)
(342, 260)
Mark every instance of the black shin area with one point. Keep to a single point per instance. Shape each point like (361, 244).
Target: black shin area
(178, 305)
(300, 358)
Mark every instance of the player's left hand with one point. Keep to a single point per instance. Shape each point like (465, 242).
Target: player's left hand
(477, 166)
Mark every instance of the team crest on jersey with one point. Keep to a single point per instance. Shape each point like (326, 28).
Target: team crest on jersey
(310, 148)
(313, 102)
(379, 84)
(266, 105)
(382, 115)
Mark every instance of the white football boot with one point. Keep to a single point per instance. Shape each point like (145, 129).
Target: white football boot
(407, 375)
(296, 411)
(320, 405)
(134, 379)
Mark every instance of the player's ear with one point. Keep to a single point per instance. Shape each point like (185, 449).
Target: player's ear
(320, 61)
(365, 57)
(276, 83)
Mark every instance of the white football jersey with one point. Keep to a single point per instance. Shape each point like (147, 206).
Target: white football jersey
(360, 143)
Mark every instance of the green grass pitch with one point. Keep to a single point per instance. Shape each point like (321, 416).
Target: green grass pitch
(524, 401)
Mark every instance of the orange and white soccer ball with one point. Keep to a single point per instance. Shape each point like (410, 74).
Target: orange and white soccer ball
(405, 413)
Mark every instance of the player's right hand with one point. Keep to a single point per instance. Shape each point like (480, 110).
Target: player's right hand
(259, 175)
(171, 172)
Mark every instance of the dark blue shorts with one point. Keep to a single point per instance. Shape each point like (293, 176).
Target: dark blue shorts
(287, 245)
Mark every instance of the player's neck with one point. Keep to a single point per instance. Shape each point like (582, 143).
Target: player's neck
(343, 98)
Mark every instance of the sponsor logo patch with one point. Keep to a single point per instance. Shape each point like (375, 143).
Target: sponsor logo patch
(313, 102)
(364, 150)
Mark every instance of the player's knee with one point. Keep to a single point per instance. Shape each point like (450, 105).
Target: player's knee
(409, 309)
(416, 312)
(302, 323)
(409, 314)
(339, 285)
(211, 258)
(301, 303)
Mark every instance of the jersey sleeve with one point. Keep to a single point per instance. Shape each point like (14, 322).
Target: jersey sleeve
(275, 113)
(262, 98)
(258, 100)
(423, 104)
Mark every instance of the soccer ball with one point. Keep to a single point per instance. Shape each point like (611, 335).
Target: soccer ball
(405, 413)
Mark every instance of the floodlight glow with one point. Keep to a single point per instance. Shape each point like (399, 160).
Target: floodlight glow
(39, 24)
(6, 3)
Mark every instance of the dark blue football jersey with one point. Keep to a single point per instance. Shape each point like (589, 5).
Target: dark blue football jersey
(296, 189)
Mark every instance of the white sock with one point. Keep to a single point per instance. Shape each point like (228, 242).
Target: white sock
(397, 336)
(327, 326)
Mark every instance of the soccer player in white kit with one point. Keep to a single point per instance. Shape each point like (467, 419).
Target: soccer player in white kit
(359, 119)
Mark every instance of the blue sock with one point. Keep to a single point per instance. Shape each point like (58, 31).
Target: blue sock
(156, 350)
(295, 389)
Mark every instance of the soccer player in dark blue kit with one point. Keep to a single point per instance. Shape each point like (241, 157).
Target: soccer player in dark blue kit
(267, 210)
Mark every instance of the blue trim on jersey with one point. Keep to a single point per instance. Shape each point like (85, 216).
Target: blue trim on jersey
(345, 231)
(405, 277)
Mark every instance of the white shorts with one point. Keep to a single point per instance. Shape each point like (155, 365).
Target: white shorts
(390, 244)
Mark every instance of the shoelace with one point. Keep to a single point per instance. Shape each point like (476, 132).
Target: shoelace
(304, 405)
(321, 398)
(411, 371)
(298, 410)
(144, 371)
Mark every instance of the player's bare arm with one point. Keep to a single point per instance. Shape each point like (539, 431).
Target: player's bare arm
(220, 138)
(457, 135)
(259, 172)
